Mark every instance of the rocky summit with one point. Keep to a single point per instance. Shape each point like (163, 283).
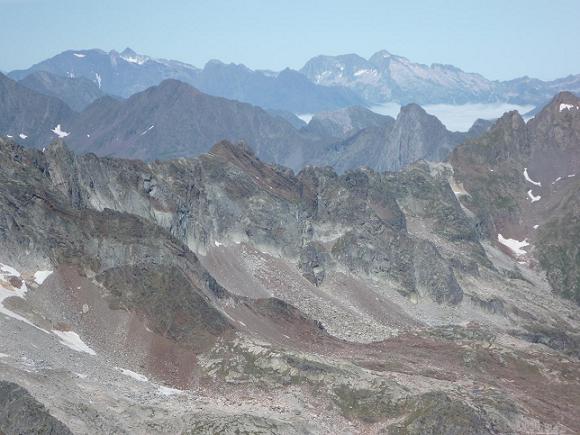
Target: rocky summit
(221, 294)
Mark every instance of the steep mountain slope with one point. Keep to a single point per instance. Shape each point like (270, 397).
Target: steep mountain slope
(165, 121)
(29, 116)
(176, 120)
(223, 294)
(520, 181)
(413, 136)
(76, 92)
(294, 120)
(127, 73)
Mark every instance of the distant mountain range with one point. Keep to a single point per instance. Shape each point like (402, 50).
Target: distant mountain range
(324, 83)
(388, 77)
(127, 73)
(174, 120)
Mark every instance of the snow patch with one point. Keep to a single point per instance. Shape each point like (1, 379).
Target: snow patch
(571, 175)
(218, 244)
(365, 72)
(147, 130)
(532, 197)
(22, 136)
(72, 340)
(514, 245)
(4, 355)
(79, 55)
(139, 60)
(306, 117)
(564, 106)
(41, 275)
(529, 180)
(7, 271)
(59, 131)
(536, 227)
(7, 292)
(137, 376)
(98, 77)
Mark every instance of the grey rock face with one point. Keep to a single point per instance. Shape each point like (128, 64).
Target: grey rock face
(20, 413)
(234, 195)
(434, 276)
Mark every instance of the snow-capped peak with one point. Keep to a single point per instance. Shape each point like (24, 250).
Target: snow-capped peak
(130, 56)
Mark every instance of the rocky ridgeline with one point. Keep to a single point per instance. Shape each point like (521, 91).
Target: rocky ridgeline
(321, 220)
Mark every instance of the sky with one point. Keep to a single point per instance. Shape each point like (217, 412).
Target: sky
(501, 39)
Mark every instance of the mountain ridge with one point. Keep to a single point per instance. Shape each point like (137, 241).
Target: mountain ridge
(335, 81)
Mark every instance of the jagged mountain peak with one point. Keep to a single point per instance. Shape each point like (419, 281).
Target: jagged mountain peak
(384, 54)
(511, 119)
(562, 102)
(128, 52)
(412, 108)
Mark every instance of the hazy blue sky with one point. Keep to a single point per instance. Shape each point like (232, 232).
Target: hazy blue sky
(501, 39)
